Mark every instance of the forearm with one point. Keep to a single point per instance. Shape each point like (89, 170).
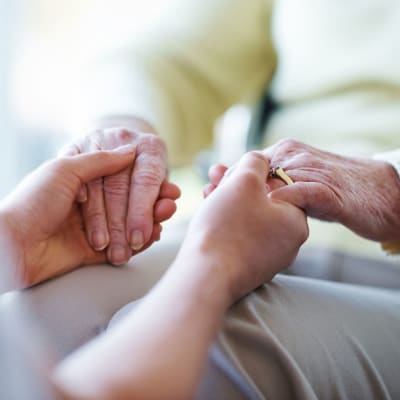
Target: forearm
(159, 351)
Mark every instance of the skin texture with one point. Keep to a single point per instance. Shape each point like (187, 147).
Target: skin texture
(222, 259)
(265, 219)
(118, 210)
(362, 194)
(44, 224)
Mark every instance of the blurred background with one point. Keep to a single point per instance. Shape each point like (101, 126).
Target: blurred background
(44, 45)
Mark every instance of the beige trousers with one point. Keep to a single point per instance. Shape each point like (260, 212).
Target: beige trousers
(294, 338)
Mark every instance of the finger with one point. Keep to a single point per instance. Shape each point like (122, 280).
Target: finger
(89, 166)
(314, 198)
(270, 151)
(275, 183)
(94, 211)
(155, 237)
(116, 193)
(254, 162)
(169, 190)
(208, 189)
(157, 229)
(72, 150)
(69, 150)
(82, 195)
(94, 215)
(164, 209)
(149, 173)
(216, 173)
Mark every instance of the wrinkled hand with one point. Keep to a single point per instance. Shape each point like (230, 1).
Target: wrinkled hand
(362, 194)
(45, 222)
(246, 233)
(119, 209)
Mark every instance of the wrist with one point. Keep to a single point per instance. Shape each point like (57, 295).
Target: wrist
(393, 221)
(210, 269)
(391, 161)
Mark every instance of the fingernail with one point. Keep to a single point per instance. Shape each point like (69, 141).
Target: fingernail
(126, 149)
(99, 240)
(137, 240)
(118, 255)
(82, 196)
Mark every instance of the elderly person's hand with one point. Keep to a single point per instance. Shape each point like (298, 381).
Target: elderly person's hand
(118, 210)
(238, 240)
(249, 236)
(362, 194)
(43, 224)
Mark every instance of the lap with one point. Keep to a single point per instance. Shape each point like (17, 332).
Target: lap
(76, 307)
(295, 338)
(300, 338)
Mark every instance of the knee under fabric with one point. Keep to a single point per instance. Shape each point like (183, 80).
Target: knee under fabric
(301, 338)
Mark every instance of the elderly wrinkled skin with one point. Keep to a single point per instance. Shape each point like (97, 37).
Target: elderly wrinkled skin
(118, 210)
(362, 194)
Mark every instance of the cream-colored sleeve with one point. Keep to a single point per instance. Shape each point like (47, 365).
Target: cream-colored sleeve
(393, 158)
(180, 77)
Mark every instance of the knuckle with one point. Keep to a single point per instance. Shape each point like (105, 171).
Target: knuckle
(94, 140)
(290, 147)
(124, 135)
(304, 157)
(94, 217)
(288, 143)
(250, 180)
(152, 144)
(95, 184)
(147, 179)
(117, 231)
(140, 213)
(116, 187)
(148, 176)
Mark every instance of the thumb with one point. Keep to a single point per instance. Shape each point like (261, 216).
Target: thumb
(300, 194)
(254, 162)
(90, 166)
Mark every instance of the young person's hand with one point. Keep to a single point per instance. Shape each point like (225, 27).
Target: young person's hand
(248, 236)
(43, 224)
(239, 239)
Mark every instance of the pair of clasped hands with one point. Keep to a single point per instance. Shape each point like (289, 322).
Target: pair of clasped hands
(105, 197)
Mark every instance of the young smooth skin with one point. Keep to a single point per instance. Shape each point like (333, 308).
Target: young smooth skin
(42, 225)
(239, 239)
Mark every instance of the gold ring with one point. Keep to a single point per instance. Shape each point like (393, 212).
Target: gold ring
(279, 172)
